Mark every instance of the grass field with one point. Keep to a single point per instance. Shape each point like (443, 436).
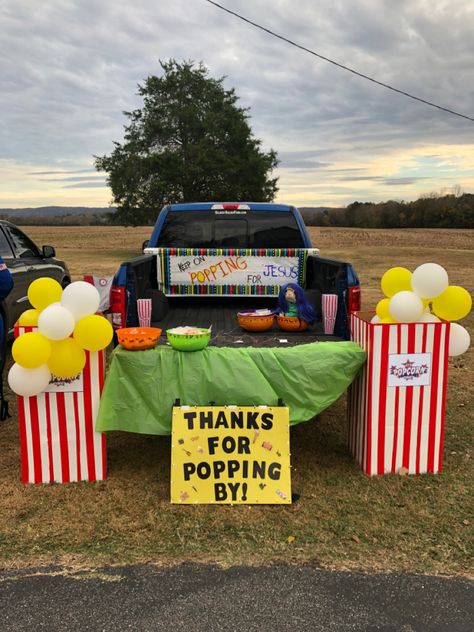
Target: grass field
(342, 519)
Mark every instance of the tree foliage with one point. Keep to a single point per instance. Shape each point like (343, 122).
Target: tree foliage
(189, 142)
(445, 211)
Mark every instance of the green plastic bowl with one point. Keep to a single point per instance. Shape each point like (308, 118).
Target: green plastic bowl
(189, 342)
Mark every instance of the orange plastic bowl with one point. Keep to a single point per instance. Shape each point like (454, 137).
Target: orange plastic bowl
(138, 338)
(291, 323)
(252, 322)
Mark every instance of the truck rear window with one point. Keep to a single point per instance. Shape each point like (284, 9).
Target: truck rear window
(248, 229)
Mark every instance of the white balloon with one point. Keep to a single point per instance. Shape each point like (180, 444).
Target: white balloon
(28, 382)
(429, 280)
(375, 319)
(406, 307)
(459, 340)
(81, 299)
(428, 317)
(56, 322)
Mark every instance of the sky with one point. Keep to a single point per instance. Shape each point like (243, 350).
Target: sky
(69, 68)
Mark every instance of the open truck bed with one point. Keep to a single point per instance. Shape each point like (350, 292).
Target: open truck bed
(205, 262)
(221, 314)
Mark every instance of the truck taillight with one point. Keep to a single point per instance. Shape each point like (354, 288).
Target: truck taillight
(118, 306)
(230, 207)
(353, 299)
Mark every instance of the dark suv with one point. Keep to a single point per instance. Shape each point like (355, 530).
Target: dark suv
(26, 262)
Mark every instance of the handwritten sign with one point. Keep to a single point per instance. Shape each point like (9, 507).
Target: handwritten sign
(240, 272)
(231, 455)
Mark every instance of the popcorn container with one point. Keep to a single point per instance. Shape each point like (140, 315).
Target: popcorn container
(397, 403)
(144, 312)
(329, 305)
(58, 441)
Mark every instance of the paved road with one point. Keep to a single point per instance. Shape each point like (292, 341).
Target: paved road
(199, 598)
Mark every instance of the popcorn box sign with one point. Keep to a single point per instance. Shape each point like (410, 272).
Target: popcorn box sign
(230, 455)
(409, 369)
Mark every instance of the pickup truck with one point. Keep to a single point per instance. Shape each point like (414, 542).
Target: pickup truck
(205, 262)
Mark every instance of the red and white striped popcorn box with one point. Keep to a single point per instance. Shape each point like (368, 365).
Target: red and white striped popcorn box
(329, 308)
(144, 311)
(397, 403)
(58, 442)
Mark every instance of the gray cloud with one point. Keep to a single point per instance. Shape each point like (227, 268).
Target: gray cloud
(75, 179)
(70, 69)
(84, 185)
(57, 173)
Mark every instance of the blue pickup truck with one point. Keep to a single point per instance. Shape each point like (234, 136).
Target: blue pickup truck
(205, 262)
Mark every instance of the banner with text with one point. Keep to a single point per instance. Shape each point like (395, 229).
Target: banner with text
(230, 454)
(240, 272)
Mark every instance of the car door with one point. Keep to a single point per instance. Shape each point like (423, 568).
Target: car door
(17, 301)
(29, 264)
(36, 264)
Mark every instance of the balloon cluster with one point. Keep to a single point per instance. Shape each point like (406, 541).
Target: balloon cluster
(68, 326)
(425, 296)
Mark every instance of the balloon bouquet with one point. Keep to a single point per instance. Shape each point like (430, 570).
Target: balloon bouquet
(67, 327)
(425, 297)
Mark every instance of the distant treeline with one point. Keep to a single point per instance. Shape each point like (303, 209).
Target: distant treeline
(62, 220)
(448, 211)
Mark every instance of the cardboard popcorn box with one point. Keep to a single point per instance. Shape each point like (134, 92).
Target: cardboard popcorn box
(397, 403)
(57, 438)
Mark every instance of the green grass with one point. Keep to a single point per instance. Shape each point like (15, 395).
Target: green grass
(342, 519)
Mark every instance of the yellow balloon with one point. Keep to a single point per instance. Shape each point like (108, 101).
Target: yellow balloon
(67, 358)
(452, 304)
(31, 350)
(29, 318)
(387, 321)
(93, 332)
(396, 280)
(382, 310)
(44, 291)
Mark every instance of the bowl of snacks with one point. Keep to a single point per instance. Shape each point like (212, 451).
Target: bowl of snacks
(291, 323)
(256, 319)
(188, 338)
(138, 338)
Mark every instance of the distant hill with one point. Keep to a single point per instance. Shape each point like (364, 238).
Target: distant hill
(61, 211)
(53, 211)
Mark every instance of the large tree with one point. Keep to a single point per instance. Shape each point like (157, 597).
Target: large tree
(189, 142)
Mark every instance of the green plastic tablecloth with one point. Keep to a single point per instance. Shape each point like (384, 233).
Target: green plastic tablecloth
(141, 386)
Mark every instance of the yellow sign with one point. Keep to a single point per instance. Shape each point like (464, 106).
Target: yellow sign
(230, 454)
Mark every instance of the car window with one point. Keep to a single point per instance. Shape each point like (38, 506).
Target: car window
(5, 249)
(22, 245)
(231, 234)
(206, 229)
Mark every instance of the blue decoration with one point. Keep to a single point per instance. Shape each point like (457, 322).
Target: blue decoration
(295, 303)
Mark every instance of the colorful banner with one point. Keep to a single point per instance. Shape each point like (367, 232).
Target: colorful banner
(240, 272)
(230, 455)
(397, 402)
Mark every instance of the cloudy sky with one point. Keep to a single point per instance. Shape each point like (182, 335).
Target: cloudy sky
(68, 69)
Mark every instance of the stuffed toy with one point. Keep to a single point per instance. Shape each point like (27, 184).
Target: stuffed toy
(292, 302)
